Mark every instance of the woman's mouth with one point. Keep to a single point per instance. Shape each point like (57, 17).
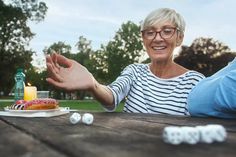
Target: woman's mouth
(156, 48)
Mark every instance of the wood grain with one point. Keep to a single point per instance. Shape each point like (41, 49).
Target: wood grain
(111, 135)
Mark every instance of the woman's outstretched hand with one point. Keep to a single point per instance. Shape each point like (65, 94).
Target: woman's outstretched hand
(68, 74)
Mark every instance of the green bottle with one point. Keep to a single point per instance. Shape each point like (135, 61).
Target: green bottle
(19, 84)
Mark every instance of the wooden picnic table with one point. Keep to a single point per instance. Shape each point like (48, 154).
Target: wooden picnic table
(111, 135)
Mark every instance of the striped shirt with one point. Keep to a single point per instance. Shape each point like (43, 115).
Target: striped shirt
(146, 93)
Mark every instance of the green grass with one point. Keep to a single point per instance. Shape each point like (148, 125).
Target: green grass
(87, 105)
(90, 105)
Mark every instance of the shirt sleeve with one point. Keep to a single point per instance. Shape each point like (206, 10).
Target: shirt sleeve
(121, 86)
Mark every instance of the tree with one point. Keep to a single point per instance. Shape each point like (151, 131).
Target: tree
(59, 47)
(83, 56)
(36, 78)
(84, 51)
(125, 48)
(205, 55)
(99, 67)
(15, 36)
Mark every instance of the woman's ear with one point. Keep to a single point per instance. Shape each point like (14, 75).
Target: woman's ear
(180, 39)
(141, 34)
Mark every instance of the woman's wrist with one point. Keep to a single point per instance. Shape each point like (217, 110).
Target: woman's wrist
(94, 87)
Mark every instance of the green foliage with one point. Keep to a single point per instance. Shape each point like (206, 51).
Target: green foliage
(99, 67)
(37, 79)
(31, 9)
(83, 57)
(59, 47)
(84, 51)
(15, 36)
(205, 55)
(125, 48)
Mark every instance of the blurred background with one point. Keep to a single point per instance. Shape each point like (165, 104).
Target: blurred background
(104, 36)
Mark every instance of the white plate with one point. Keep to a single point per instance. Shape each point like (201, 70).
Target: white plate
(31, 111)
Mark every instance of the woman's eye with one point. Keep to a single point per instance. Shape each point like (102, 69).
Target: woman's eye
(150, 32)
(167, 31)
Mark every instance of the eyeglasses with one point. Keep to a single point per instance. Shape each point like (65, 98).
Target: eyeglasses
(165, 33)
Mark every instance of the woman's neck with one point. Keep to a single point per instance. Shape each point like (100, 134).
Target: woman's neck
(167, 70)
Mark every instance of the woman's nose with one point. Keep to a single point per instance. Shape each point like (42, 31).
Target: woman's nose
(158, 36)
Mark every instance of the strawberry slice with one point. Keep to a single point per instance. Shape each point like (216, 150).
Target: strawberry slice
(20, 102)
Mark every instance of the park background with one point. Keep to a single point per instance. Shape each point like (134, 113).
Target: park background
(104, 36)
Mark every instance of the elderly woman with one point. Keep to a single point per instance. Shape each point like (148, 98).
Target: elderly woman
(160, 87)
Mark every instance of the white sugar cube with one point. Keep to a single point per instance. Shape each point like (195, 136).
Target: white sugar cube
(205, 134)
(190, 135)
(173, 135)
(75, 118)
(218, 132)
(87, 118)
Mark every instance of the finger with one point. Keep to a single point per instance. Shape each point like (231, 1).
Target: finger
(61, 60)
(49, 59)
(54, 59)
(53, 73)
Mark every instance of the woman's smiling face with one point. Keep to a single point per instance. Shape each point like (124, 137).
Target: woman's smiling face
(161, 40)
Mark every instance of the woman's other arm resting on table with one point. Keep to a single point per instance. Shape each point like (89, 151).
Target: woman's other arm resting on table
(70, 75)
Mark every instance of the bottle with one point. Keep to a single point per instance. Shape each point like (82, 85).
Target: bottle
(19, 84)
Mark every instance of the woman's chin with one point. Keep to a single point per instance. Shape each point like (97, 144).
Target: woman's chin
(159, 57)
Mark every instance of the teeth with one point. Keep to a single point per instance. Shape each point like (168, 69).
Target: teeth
(159, 48)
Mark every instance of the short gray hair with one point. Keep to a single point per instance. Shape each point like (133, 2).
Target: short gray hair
(163, 15)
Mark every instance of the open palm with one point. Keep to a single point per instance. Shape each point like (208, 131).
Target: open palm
(68, 74)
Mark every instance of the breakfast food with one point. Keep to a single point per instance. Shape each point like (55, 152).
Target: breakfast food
(36, 104)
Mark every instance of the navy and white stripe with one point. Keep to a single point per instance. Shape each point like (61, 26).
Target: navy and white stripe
(146, 93)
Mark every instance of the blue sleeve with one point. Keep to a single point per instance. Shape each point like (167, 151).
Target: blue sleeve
(216, 95)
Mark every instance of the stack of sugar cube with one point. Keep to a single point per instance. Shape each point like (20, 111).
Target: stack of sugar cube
(192, 135)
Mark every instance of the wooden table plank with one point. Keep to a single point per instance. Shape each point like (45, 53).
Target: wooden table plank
(13, 142)
(120, 134)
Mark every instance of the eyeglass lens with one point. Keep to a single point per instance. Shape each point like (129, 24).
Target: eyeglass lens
(164, 33)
